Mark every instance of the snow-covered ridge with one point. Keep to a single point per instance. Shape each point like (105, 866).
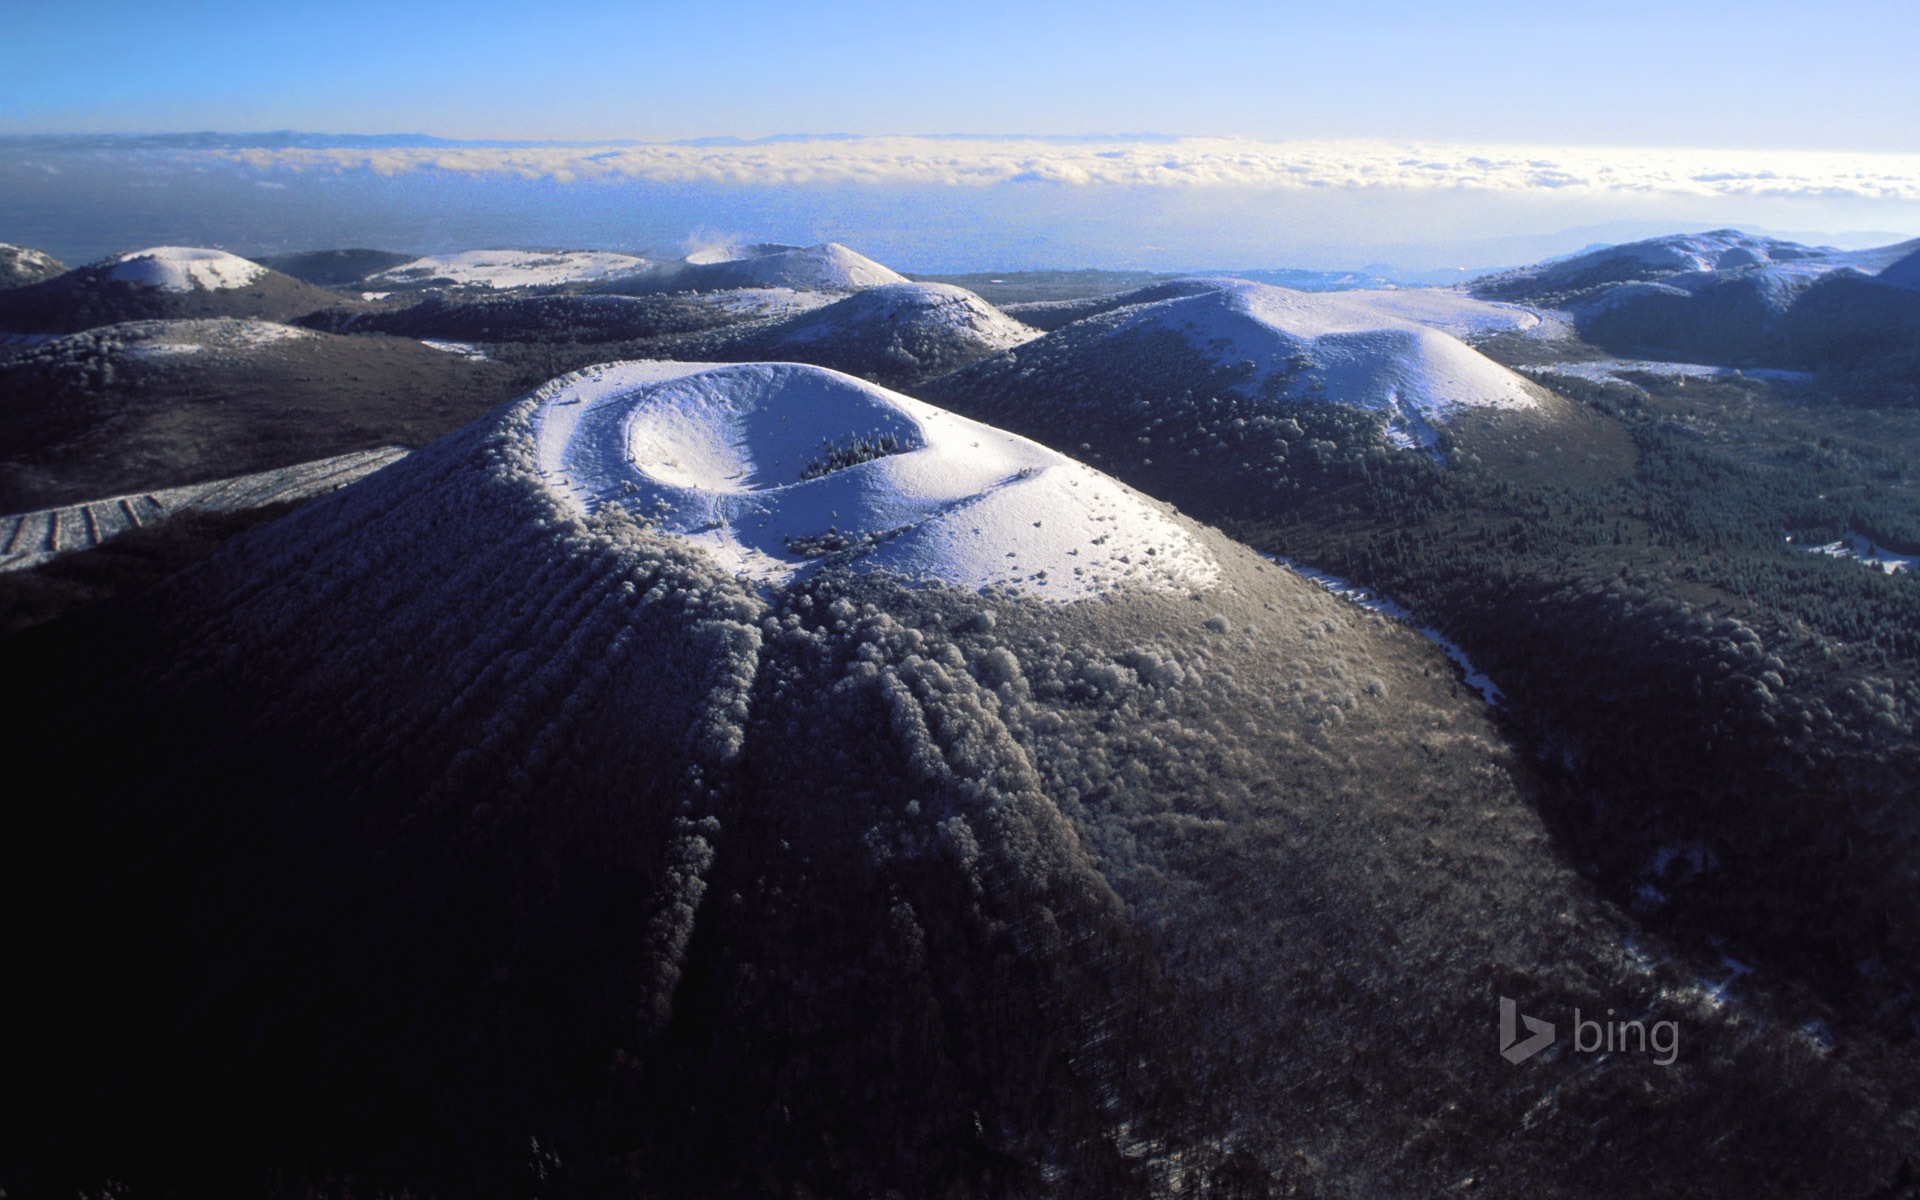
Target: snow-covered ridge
(929, 305)
(184, 269)
(1346, 347)
(169, 338)
(30, 538)
(734, 460)
(20, 264)
(735, 252)
(1691, 261)
(516, 268)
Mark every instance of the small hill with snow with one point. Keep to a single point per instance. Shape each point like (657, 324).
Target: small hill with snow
(825, 268)
(184, 269)
(1353, 349)
(162, 283)
(20, 266)
(504, 269)
(897, 334)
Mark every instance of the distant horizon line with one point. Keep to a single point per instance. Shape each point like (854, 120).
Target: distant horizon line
(402, 139)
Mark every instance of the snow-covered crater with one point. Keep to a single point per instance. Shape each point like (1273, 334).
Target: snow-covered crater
(184, 269)
(777, 468)
(516, 268)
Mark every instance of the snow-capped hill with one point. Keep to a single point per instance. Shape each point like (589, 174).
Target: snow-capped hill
(20, 266)
(184, 269)
(826, 268)
(1340, 347)
(1689, 261)
(160, 283)
(936, 309)
(514, 268)
(774, 469)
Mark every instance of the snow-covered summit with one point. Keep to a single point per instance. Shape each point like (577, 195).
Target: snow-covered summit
(1344, 347)
(184, 269)
(735, 252)
(828, 268)
(515, 268)
(772, 468)
(928, 307)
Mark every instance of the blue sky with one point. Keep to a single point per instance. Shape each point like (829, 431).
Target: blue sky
(1742, 75)
(1426, 135)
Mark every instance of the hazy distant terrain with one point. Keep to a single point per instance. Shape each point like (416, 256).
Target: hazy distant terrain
(761, 725)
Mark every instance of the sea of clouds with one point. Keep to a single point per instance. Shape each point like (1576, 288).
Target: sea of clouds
(937, 203)
(1158, 162)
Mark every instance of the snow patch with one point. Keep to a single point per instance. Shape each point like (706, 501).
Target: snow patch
(772, 303)
(466, 350)
(1866, 552)
(173, 338)
(733, 459)
(185, 269)
(1610, 370)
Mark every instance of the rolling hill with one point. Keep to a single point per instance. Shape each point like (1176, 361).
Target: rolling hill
(829, 267)
(716, 781)
(334, 268)
(1679, 259)
(898, 334)
(1729, 298)
(160, 404)
(166, 282)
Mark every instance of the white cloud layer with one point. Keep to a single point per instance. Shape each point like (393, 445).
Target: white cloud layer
(1171, 163)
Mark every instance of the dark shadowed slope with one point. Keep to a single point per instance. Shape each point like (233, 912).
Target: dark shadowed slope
(334, 268)
(523, 814)
(157, 404)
